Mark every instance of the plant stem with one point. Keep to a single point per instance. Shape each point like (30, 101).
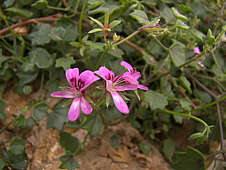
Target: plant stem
(127, 38)
(210, 104)
(80, 21)
(189, 116)
(221, 129)
(58, 9)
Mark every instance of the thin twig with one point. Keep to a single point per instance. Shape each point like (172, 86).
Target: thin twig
(218, 110)
(221, 129)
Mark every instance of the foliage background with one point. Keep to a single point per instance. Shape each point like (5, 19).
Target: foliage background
(41, 39)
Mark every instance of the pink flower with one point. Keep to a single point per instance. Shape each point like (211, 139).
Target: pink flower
(78, 85)
(132, 74)
(115, 84)
(196, 51)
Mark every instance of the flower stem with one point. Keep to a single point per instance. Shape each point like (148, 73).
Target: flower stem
(80, 21)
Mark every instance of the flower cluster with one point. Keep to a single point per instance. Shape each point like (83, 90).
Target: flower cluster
(113, 85)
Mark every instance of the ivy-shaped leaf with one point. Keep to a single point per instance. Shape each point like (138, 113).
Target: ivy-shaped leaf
(155, 100)
(140, 16)
(65, 62)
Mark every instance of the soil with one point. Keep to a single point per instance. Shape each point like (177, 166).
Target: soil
(43, 149)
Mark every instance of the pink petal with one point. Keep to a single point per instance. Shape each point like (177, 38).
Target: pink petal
(74, 110)
(88, 78)
(72, 76)
(196, 50)
(63, 94)
(142, 87)
(127, 65)
(126, 87)
(85, 106)
(105, 73)
(120, 103)
(109, 85)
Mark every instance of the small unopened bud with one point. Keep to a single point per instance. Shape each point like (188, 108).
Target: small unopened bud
(116, 37)
(196, 51)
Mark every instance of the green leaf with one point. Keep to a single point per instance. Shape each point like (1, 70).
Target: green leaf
(145, 147)
(116, 52)
(41, 36)
(95, 30)
(186, 84)
(182, 25)
(93, 125)
(198, 137)
(97, 22)
(185, 104)
(22, 122)
(26, 77)
(40, 3)
(21, 12)
(155, 100)
(68, 162)
(17, 146)
(39, 111)
(2, 58)
(114, 23)
(203, 96)
(57, 34)
(114, 141)
(191, 159)
(41, 58)
(111, 113)
(178, 15)
(8, 3)
(65, 62)
(140, 16)
(2, 110)
(199, 35)
(70, 143)
(177, 54)
(57, 117)
(166, 13)
(169, 147)
(2, 164)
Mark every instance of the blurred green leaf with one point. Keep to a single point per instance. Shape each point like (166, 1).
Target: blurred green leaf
(114, 141)
(2, 164)
(40, 3)
(41, 58)
(145, 147)
(65, 62)
(186, 84)
(203, 96)
(41, 35)
(21, 12)
(17, 146)
(155, 100)
(93, 125)
(2, 110)
(166, 13)
(178, 15)
(177, 54)
(26, 77)
(70, 143)
(57, 117)
(185, 104)
(39, 111)
(2, 58)
(169, 147)
(191, 159)
(68, 162)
